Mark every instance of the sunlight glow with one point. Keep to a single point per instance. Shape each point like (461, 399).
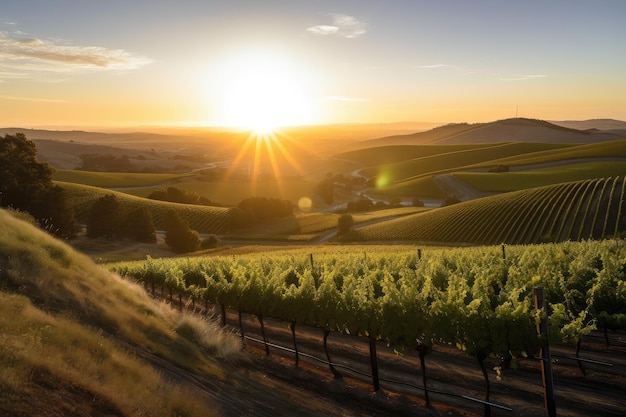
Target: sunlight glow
(262, 92)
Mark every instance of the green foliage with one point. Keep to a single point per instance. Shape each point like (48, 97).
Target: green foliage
(178, 234)
(139, 225)
(176, 195)
(105, 218)
(26, 184)
(326, 190)
(344, 224)
(261, 208)
(210, 242)
(472, 298)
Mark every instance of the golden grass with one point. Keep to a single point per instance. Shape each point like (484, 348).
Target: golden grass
(61, 313)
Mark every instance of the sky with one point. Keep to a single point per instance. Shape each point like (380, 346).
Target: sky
(259, 64)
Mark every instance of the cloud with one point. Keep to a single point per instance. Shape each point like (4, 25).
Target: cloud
(524, 77)
(433, 66)
(20, 52)
(32, 99)
(343, 98)
(343, 25)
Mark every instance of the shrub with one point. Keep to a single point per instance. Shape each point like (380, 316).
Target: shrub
(344, 224)
(179, 235)
(139, 225)
(210, 242)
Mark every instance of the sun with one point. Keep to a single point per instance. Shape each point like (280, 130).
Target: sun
(262, 93)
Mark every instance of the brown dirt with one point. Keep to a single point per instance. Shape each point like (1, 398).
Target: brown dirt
(272, 385)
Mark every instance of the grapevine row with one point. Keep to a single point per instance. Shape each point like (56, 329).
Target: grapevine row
(587, 209)
(472, 298)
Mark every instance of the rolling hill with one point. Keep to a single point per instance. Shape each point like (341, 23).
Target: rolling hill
(78, 340)
(508, 130)
(588, 209)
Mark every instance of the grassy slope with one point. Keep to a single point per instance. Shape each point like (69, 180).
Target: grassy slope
(310, 225)
(69, 329)
(201, 218)
(113, 179)
(422, 184)
(513, 181)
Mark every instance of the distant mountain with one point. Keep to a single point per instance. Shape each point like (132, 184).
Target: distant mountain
(598, 124)
(508, 130)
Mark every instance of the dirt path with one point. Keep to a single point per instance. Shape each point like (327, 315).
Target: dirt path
(602, 391)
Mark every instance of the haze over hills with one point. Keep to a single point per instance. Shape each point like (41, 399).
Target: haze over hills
(507, 130)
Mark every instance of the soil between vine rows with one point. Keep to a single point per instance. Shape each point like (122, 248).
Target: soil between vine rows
(601, 392)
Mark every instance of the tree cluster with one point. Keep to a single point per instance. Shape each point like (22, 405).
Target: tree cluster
(106, 163)
(262, 208)
(26, 184)
(176, 195)
(108, 219)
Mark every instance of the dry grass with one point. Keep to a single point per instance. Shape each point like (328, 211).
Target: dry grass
(63, 314)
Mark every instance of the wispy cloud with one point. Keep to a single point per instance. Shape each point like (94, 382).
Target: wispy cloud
(524, 77)
(32, 99)
(435, 66)
(343, 25)
(21, 53)
(343, 98)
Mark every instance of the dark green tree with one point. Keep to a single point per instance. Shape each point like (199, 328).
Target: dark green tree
(26, 184)
(179, 235)
(344, 224)
(138, 225)
(54, 213)
(105, 218)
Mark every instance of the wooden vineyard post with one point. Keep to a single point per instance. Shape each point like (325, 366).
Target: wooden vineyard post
(243, 336)
(311, 258)
(223, 311)
(267, 348)
(336, 373)
(374, 363)
(295, 345)
(419, 254)
(423, 350)
(546, 365)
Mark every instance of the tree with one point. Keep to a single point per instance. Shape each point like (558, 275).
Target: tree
(26, 184)
(179, 235)
(326, 189)
(54, 213)
(105, 218)
(138, 225)
(344, 224)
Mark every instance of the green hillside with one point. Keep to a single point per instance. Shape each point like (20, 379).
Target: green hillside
(422, 184)
(513, 181)
(589, 209)
(74, 335)
(451, 159)
(203, 219)
(113, 179)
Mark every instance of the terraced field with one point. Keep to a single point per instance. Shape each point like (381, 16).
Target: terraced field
(588, 209)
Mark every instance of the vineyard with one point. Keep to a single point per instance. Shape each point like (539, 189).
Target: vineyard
(589, 209)
(203, 219)
(477, 299)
